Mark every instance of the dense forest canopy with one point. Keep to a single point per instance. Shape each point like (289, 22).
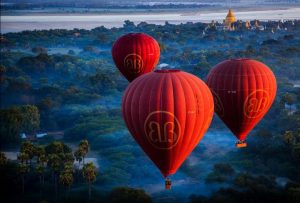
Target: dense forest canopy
(65, 81)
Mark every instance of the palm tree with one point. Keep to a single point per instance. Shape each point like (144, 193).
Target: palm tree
(23, 158)
(89, 174)
(40, 169)
(84, 146)
(39, 152)
(22, 170)
(78, 154)
(66, 178)
(28, 148)
(54, 162)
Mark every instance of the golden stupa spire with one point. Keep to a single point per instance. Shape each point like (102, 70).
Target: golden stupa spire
(230, 18)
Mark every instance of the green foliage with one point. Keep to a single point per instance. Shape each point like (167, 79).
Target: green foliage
(222, 172)
(15, 120)
(126, 194)
(89, 172)
(57, 147)
(223, 168)
(11, 121)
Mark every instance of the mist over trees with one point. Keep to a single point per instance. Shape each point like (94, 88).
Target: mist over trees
(64, 82)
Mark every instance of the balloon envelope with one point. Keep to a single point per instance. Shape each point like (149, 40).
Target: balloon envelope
(135, 54)
(243, 91)
(167, 112)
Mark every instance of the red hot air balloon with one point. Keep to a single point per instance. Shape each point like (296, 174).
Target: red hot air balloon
(135, 54)
(167, 112)
(243, 91)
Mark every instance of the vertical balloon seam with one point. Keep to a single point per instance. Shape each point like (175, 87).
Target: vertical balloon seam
(147, 46)
(246, 88)
(243, 74)
(194, 87)
(271, 79)
(140, 54)
(164, 171)
(173, 149)
(125, 104)
(129, 109)
(265, 88)
(135, 98)
(240, 91)
(232, 77)
(152, 50)
(224, 72)
(157, 50)
(184, 145)
(182, 124)
(256, 93)
(153, 95)
(190, 141)
(266, 75)
(143, 95)
(208, 94)
(197, 83)
(163, 108)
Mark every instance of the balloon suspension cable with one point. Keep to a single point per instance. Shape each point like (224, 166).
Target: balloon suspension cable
(241, 144)
(168, 184)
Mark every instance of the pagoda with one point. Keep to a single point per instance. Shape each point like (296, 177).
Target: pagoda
(229, 20)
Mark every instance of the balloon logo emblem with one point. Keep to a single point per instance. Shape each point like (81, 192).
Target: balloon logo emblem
(256, 103)
(134, 63)
(162, 136)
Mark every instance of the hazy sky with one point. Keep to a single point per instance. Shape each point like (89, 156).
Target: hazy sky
(108, 1)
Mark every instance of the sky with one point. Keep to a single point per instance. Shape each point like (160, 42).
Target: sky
(132, 1)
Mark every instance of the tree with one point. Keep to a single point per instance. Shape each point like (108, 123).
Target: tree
(54, 162)
(23, 158)
(40, 153)
(84, 146)
(23, 168)
(11, 121)
(288, 98)
(18, 119)
(39, 50)
(57, 147)
(3, 158)
(126, 194)
(289, 137)
(66, 177)
(78, 154)
(30, 118)
(29, 149)
(40, 169)
(89, 174)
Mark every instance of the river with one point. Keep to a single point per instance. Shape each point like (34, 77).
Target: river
(40, 21)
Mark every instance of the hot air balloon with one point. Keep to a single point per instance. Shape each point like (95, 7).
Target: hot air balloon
(243, 91)
(167, 112)
(135, 54)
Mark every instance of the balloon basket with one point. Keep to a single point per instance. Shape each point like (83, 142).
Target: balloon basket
(241, 144)
(168, 184)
